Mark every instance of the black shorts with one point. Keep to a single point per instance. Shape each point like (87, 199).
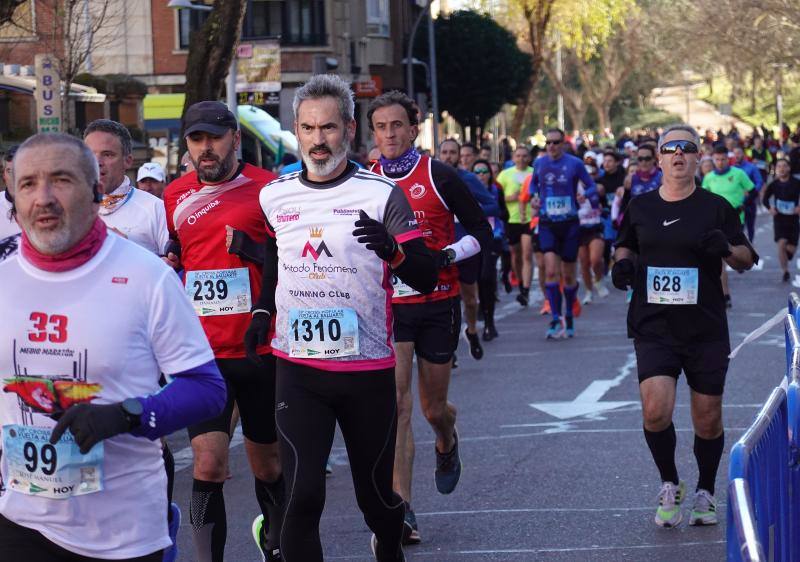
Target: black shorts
(22, 543)
(434, 327)
(514, 232)
(561, 238)
(253, 389)
(788, 230)
(537, 247)
(469, 270)
(705, 364)
(589, 233)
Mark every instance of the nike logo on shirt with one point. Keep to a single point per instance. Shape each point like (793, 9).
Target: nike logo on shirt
(667, 223)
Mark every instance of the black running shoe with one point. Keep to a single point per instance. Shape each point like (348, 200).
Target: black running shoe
(786, 277)
(410, 529)
(373, 544)
(448, 467)
(507, 284)
(522, 299)
(489, 332)
(475, 348)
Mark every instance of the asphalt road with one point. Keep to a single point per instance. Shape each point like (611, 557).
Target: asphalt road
(536, 486)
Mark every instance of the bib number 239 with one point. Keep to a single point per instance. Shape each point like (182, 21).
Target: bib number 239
(217, 292)
(323, 333)
(672, 285)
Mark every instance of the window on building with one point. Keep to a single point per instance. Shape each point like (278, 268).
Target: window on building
(296, 22)
(188, 21)
(378, 18)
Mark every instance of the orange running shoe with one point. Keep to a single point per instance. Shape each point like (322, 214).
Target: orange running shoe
(545, 310)
(576, 307)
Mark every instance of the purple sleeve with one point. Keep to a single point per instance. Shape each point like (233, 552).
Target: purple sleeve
(191, 397)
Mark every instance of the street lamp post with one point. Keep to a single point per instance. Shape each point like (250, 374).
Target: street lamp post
(410, 61)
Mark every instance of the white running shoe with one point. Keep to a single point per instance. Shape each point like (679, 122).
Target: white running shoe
(602, 290)
(670, 498)
(587, 298)
(704, 509)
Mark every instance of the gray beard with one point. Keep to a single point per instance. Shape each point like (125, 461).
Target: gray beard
(327, 167)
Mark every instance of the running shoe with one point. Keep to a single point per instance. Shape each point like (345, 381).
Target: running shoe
(475, 348)
(600, 287)
(587, 298)
(556, 330)
(628, 296)
(410, 529)
(373, 544)
(489, 332)
(260, 536)
(171, 553)
(545, 310)
(328, 467)
(786, 277)
(704, 509)
(522, 299)
(570, 328)
(670, 497)
(455, 362)
(728, 303)
(507, 284)
(448, 467)
(576, 308)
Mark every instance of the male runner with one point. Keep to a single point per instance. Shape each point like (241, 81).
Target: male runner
(468, 153)
(754, 173)
(427, 325)
(222, 193)
(90, 322)
(734, 185)
(8, 225)
(784, 210)
(670, 250)
(329, 288)
(151, 178)
(469, 270)
(556, 199)
(130, 212)
(518, 228)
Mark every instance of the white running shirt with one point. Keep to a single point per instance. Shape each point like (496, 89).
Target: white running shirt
(8, 226)
(142, 219)
(118, 321)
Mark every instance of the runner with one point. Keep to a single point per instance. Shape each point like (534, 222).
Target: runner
(670, 249)
(329, 288)
(201, 207)
(74, 296)
(784, 210)
(130, 212)
(538, 256)
(8, 225)
(427, 325)
(590, 250)
(555, 197)
(518, 229)
(151, 178)
(734, 185)
(754, 173)
(469, 270)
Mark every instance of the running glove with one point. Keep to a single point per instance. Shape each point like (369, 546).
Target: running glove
(622, 274)
(715, 243)
(256, 335)
(375, 236)
(91, 423)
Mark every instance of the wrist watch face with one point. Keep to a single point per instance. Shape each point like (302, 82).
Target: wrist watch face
(451, 255)
(132, 407)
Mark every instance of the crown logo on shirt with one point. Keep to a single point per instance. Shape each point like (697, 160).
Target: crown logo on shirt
(315, 232)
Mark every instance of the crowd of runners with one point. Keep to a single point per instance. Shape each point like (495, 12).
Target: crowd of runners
(299, 299)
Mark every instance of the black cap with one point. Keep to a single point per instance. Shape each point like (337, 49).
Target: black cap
(210, 117)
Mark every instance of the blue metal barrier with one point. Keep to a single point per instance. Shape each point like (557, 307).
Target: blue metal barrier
(764, 472)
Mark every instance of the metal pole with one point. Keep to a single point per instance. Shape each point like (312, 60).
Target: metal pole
(434, 87)
(410, 52)
(560, 98)
(230, 95)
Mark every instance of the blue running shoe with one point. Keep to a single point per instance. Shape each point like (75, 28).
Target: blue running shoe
(171, 553)
(555, 331)
(448, 467)
(570, 329)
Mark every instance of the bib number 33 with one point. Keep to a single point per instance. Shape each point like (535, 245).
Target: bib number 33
(672, 285)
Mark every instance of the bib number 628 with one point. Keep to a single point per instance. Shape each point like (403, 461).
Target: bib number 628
(667, 283)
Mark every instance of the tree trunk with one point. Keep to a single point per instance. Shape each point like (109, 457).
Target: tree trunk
(576, 115)
(603, 111)
(754, 75)
(519, 114)
(211, 50)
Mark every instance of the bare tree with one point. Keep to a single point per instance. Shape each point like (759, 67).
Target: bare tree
(7, 8)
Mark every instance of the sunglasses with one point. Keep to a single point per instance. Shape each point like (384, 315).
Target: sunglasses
(481, 170)
(644, 158)
(553, 142)
(687, 147)
(183, 167)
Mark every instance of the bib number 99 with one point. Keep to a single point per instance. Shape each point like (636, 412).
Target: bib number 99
(666, 284)
(310, 330)
(45, 458)
(210, 290)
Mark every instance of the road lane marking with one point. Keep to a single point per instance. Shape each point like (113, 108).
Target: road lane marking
(778, 318)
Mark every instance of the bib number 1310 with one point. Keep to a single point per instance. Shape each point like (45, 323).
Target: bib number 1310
(322, 333)
(310, 331)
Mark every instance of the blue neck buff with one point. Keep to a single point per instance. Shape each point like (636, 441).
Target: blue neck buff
(722, 172)
(402, 164)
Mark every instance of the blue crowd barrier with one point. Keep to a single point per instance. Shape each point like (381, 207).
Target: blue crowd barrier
(764, 472)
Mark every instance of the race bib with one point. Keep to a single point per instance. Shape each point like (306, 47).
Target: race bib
(401, 289)
(672, 285)
(558, 206)
(785, 207)
(216, 292)
(60, 471)
(320, 333)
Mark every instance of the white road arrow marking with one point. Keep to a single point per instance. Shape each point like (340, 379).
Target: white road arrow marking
(588, 402)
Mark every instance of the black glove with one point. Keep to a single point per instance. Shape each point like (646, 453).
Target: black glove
(622, 274)
(256, 335)
(91, 423)
(246, 248)
(715, 243)
(445, 258)
(375, 236)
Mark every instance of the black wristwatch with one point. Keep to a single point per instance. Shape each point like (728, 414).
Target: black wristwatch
(451, 256)
(133, 410)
